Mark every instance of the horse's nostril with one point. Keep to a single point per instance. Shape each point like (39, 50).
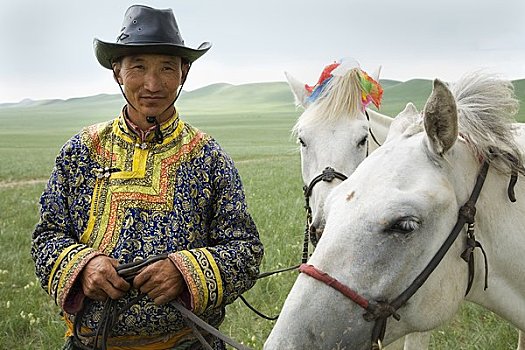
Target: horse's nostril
(319, 233)
(315, 234)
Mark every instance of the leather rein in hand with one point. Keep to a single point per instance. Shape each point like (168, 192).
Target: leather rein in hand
(111, 313)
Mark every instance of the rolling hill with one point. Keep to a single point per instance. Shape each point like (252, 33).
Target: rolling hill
(216, 99)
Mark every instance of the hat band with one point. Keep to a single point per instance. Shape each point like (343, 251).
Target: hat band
(148, 40)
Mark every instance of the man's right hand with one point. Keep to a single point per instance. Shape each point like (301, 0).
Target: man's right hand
(100, 280)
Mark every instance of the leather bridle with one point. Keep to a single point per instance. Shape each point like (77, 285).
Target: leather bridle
(380, 310)
(371, 133)
(327, 175)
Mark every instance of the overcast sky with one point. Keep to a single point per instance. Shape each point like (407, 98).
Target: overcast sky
(46, 47)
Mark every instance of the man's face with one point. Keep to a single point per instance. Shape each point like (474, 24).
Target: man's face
(150, 82)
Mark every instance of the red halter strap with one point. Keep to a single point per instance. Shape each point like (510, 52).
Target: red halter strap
(319, 275)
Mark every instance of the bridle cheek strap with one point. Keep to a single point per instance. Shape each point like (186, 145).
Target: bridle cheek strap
(328, 175)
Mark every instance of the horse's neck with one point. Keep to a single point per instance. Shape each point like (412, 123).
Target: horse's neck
(500, 228)
(379, 125)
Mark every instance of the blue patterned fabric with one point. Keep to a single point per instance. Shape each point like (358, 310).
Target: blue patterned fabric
(111, 194)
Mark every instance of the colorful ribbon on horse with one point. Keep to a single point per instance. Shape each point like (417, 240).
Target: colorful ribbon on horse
(371, 90)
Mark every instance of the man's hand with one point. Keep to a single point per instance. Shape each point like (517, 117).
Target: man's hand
(161, 281)
(100, 279)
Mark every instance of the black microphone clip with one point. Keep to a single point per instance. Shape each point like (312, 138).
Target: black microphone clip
(151, 119)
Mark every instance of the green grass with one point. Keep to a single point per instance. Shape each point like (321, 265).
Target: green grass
(252, 122)
(29, 319)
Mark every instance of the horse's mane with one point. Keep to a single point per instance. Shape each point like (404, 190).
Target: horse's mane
(486, 107)
(486, 110)
(340, 98)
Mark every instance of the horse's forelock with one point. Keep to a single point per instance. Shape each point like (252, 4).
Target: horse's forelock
(341, 98)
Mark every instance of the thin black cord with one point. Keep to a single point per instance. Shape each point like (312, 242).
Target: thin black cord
(260, 314)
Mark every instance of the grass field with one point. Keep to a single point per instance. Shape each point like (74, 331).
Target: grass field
(252, 122)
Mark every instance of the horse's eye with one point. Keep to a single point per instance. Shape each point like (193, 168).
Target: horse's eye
(405, 225)
(300, 140)
(363, 141)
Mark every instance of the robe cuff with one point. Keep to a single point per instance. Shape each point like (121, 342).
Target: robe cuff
(63, 283)
(202, 276)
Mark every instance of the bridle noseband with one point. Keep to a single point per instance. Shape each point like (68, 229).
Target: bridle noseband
(380, 310)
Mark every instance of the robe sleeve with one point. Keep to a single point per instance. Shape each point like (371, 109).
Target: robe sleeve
(217, 274)
(58, 255)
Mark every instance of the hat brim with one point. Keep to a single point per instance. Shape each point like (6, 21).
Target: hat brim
(107, 53)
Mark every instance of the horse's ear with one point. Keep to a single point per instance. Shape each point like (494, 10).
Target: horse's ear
(376, 73)
(403, 120)
(441, 118)
(299, 90)
(410, 109)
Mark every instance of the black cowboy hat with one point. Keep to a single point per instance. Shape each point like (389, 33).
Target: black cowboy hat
(147, 30)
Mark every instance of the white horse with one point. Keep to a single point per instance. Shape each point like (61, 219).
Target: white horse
(385, 224)
(335, 130)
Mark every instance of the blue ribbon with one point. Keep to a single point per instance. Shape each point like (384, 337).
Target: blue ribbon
(318, 89)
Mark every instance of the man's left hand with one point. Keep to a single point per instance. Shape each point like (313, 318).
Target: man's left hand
(161, 281)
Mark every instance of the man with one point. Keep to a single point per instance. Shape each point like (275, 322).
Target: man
(142, 185)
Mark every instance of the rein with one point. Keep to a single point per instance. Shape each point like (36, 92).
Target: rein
(111, 314)
(263, 275)
(380, 310)
(328, 175)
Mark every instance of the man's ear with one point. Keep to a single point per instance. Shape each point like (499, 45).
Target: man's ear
(116, 72)
(185, 67)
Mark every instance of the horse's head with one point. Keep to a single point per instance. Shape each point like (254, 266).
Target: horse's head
(333, 130)
(383, 226)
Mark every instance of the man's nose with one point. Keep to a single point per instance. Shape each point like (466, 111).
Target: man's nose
(152, 81)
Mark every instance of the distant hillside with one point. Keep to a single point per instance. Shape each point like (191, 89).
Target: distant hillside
(264, 97)
(519, 86)
(397, 95)
(220, 99)
(385, 83)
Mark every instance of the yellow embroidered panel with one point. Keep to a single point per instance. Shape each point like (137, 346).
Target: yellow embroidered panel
(141, 178)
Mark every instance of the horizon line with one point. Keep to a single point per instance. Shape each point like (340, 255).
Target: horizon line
(30, 99)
